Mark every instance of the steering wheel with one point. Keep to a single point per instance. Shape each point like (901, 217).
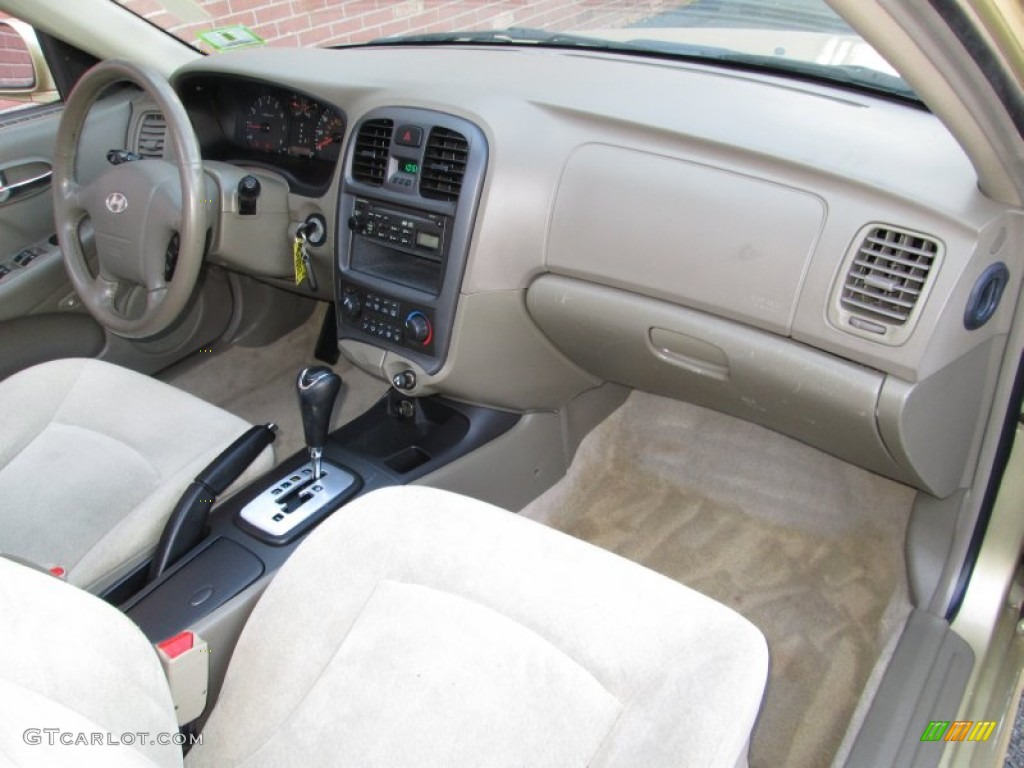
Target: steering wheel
(149, 216)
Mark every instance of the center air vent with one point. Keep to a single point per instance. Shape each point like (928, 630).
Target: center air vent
(370, 158)
(887, 279)
(152, 134)
(444, 164)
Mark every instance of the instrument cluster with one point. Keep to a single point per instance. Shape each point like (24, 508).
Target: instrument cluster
(291, 124)
(256, 123)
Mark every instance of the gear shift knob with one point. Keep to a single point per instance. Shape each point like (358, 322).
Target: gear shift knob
(317, 388)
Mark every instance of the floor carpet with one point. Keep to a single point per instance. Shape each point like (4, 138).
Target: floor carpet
(1015, 752)
(258, 383)
(807, 547)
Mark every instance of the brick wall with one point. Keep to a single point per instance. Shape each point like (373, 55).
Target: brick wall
(15, 63)
(13, 67)
(334, 22)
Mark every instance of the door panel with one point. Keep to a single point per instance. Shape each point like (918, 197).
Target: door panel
(36, 282)
(26, 139)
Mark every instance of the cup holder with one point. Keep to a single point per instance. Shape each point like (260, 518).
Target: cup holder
(407, 459)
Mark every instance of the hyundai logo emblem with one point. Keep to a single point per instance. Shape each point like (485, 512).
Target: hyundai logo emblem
(116, 202)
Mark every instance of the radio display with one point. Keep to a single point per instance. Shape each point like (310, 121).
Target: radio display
(427, 240)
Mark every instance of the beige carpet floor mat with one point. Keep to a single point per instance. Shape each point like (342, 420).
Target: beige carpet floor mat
(806, 546)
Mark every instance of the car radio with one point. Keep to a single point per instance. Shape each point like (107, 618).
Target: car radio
(422, 234)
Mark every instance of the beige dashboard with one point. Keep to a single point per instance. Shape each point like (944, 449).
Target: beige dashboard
(692, 231)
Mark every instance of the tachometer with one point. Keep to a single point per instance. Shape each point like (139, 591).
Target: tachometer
(266, 124)
(330, 130)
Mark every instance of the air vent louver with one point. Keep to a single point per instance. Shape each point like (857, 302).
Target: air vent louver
(152, 135)
(888, 275)
(444, 164)
(373, 144)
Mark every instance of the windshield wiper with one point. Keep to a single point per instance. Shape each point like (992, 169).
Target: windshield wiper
(509, 36)
(849, 74)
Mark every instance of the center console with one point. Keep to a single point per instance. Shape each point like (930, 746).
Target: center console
(214, 586)
(412, 183)
(254, 531)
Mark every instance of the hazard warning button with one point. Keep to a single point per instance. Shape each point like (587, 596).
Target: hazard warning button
(409, 135)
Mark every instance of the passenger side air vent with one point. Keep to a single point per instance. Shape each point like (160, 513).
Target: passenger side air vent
(370, 159)
(886, 280)
(444, 164)
(152, 134)
(888, 275)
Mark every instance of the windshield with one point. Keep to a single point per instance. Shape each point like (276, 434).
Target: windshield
(799, 37)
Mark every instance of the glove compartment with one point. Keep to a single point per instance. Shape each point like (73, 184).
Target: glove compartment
(823, 400)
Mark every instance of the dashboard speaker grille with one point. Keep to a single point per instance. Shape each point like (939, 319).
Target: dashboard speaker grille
(444, 164)
(152, 135)
(373, 144)
(888, 275)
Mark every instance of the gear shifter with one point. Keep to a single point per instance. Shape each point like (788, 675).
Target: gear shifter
(302, 497)
(317, 388)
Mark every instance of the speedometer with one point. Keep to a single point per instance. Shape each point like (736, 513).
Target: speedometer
(266, 124)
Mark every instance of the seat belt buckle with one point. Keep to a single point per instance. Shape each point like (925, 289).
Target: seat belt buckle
(185, 658)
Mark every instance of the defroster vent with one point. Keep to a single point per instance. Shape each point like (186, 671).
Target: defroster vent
(373, 145)
(888, 275)
(444, 164)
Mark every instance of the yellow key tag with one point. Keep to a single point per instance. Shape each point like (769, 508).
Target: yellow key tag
(299, 261)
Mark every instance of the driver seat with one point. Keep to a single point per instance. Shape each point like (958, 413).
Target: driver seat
(93, 457)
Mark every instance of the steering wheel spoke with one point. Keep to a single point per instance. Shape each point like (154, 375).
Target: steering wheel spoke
(70, 194)
(155, 297)
(155, 281)
(106, 290)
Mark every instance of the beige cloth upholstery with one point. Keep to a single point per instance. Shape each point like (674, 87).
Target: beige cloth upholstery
(74, 663)
(420, 628)
(413, 628)
(93, 458)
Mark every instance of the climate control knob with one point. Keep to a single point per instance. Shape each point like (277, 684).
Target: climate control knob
(351, 306)
(418, 328)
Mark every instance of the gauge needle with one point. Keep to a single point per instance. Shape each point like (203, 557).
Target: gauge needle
(324, 142)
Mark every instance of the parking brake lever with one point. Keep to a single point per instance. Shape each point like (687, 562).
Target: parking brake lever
(185, 526)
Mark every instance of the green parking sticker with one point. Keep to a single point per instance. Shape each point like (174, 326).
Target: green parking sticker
(229, 38)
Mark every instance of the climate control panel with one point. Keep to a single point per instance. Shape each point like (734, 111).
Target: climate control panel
(384, 318)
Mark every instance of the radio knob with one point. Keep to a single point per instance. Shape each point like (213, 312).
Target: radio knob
(351, 306)
(355, 223)
(419, 329)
